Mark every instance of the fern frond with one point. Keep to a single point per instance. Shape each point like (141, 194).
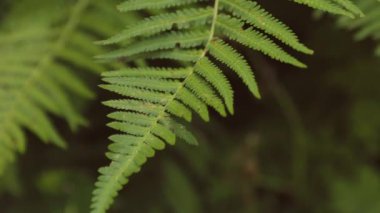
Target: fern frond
(181, 19)
(252, 13)
(369, 25)
(340, 7)
(232, 28)
(215, 77)
(152, 4)
(162, 42)
(228, 55)
(197, 41)
(40, 49)
(179, 55)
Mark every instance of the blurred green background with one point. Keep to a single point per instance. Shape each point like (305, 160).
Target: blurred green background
(312, 144)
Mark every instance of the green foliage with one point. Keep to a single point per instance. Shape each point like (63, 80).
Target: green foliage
(47, 51)
(196, 41)
(358, 195)
(369, 25)
(36, 79)
(341, 7)
(46, 46)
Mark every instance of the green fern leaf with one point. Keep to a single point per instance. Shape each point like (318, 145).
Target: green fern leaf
(181, 19)
(215, 77)
(226, 54)
(152, 4)
(252, 13)
(41, 48)
(196, 41)
(367, 26)
(340, 7)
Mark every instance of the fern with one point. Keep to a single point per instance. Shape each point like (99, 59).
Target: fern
(340, 7)
(196, 37)
(368, 26)
(39, 49)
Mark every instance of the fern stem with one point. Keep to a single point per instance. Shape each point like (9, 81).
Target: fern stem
(212, 30)
(203, 54)
(47, 59)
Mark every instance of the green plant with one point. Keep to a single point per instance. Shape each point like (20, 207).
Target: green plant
(41, 54)
(35, 81)
(358, 195)
(195, 40)
(46, 52)
(368, 26)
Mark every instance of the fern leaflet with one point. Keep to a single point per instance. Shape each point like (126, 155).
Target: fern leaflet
(369, 25)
